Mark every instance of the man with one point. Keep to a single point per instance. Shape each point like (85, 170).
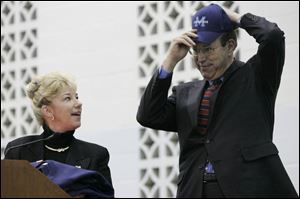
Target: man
(224, 122)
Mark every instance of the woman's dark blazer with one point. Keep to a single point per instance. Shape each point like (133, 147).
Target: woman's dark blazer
(81, 154)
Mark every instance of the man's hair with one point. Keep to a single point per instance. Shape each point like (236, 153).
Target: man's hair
(226, 36)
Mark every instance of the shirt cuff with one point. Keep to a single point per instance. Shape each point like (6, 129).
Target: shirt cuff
(163, 74)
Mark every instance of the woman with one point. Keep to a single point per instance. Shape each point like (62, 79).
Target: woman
(57, 108)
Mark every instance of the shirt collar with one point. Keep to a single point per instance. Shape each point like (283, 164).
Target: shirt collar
(215, 80)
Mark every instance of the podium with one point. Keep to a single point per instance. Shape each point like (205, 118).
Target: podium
(20, 179)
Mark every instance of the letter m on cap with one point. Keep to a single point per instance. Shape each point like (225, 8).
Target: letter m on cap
(200, 22)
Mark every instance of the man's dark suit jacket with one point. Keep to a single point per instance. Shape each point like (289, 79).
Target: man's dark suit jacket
(240, 130)
(83, 154)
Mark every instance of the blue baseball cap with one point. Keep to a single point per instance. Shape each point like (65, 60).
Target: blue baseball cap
(211, 22)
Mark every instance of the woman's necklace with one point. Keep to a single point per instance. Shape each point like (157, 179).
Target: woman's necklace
(57, 150)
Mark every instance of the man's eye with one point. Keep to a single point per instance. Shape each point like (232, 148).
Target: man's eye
(208, 49)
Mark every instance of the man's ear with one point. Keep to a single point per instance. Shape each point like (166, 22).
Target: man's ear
(231, 45)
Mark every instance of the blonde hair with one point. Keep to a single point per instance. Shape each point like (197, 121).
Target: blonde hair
(43, 89)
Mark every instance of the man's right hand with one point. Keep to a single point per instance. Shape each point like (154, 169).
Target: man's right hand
(178, 49)
(233, 16)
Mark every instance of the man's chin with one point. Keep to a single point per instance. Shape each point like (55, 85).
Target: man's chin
(206, 76)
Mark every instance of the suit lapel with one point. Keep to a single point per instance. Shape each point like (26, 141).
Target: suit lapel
(76, 158)
(194, 97)
(196, 92)
(36, 150)
(213, 100)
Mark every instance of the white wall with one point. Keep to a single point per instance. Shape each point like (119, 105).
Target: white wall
(97, 43)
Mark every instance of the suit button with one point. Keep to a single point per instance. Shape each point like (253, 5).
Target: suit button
(207, 141)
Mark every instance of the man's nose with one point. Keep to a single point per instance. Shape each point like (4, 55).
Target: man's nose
(200, 58)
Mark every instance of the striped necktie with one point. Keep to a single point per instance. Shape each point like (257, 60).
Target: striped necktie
(203, 114)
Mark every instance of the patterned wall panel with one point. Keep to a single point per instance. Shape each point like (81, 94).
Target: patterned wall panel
(19, 54)
(158, 24)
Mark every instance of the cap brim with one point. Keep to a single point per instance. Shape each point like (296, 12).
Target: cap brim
(207, 37)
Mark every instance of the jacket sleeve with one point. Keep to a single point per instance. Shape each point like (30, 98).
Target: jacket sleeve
(103, 166)
(269, 59)
(156, 109)
(9, 152)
